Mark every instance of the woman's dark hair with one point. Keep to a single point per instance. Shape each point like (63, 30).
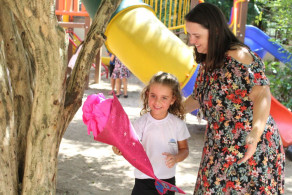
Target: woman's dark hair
(221, 39)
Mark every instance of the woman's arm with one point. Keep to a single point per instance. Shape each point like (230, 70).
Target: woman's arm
(190, 104)
(261, 98)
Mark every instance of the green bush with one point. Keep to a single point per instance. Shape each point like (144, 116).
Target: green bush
(280, 77)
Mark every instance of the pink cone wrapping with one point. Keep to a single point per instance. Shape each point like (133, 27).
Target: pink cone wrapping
(109, 123)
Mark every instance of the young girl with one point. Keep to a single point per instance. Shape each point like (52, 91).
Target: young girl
(162, 132)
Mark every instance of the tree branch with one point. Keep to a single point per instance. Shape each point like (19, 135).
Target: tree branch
(92, 44)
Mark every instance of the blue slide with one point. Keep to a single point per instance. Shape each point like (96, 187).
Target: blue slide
(259, 42)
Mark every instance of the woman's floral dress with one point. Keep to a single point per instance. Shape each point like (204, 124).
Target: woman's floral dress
(120, 71)
(223, 95)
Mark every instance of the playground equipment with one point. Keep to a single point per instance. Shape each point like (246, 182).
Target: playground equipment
(283, 117)
(173, 16)
(260, 42)
(70, 8)
(146, 46)
(65, 12)
(238, 18)
(133, 25)
(74, 39)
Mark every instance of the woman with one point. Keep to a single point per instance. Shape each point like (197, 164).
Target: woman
(121, 74)
(243, 152)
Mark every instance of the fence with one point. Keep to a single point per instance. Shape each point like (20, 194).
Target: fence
(170, 12)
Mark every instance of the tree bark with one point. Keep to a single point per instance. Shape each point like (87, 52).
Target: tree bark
(37, 102)
(8, 162)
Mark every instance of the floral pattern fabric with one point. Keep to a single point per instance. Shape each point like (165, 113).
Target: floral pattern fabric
(120, 71)
(223, 96)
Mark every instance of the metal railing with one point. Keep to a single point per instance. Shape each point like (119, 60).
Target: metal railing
(170, 12)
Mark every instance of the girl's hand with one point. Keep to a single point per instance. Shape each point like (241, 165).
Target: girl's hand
(116, 151)
(170, 159)
(251, 148)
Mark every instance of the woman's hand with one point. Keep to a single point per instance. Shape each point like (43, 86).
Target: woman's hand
(261, 98)
(116, 151)
(190, 104)
(251, 148)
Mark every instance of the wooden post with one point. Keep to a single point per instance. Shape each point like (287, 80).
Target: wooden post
(242, 17)
(87, 25)
(97, 70)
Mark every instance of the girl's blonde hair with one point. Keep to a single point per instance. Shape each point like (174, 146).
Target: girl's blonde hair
(171, 81)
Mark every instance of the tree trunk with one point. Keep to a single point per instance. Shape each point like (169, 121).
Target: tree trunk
(37, 102)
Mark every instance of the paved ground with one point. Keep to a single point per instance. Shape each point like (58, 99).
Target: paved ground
(90, 167)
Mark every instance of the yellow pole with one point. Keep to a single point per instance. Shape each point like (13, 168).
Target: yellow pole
(176, 27)
(175, 14)
(151, 3)
(170, 13)
(235, 17)
(188, 6)
(156, 1)
(184, 9)
(160, 11)
(165, 8)
(66, 17)
(179, 12)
